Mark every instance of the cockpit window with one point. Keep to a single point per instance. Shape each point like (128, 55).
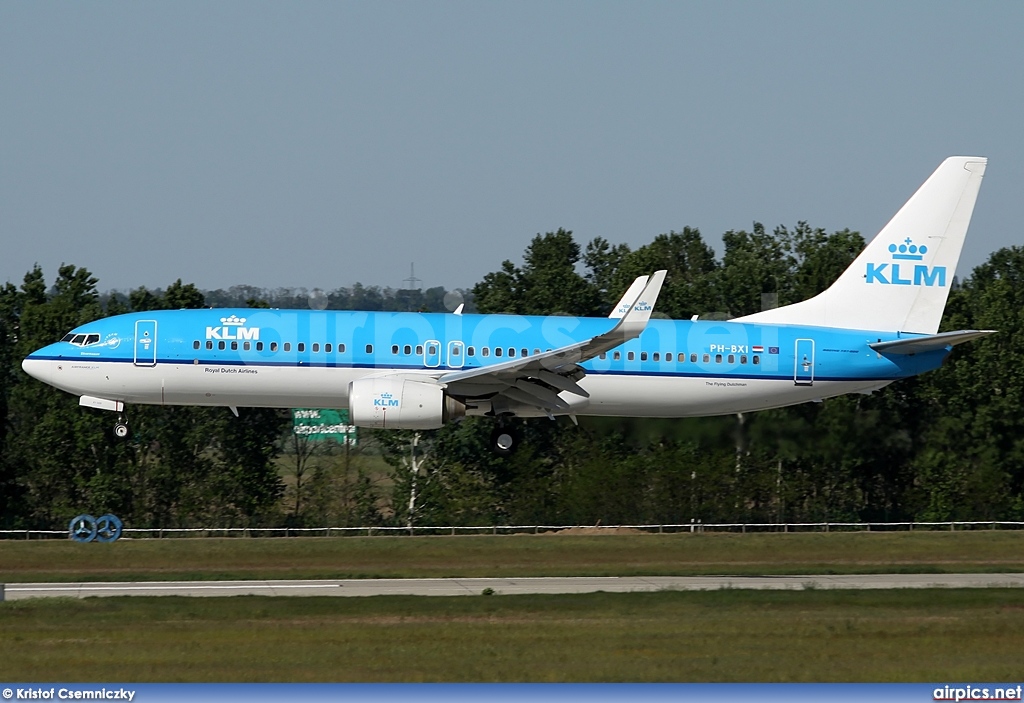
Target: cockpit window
(81, 340)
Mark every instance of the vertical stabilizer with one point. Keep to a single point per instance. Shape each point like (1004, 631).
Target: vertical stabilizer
(901, 280)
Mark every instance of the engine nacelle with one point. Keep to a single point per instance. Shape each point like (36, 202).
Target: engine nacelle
(401, 404)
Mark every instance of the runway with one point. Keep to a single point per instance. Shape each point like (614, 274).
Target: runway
(505, 586)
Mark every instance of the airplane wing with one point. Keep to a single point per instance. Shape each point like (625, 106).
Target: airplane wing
(536, 380)
(931, 342)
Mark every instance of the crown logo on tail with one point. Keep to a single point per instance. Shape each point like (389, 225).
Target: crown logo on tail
(908, 251)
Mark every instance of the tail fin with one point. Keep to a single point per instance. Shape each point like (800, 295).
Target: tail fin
(901, 280)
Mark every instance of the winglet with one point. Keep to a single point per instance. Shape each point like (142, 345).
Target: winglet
(628, 298)
(630, 326)
(634, 321)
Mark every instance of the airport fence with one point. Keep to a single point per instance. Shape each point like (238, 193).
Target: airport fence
(690, 527)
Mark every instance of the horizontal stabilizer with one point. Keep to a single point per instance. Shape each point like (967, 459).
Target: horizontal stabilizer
(932, 342)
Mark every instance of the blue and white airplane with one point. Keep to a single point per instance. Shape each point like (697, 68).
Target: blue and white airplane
(876, 324)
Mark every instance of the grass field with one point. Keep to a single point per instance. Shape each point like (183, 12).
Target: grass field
(520, 555)
(934, 635)
(728, 635)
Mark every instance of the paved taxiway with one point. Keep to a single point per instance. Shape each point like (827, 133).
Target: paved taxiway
(509, 586)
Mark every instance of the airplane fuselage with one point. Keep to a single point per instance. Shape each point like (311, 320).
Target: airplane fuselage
(306, 358)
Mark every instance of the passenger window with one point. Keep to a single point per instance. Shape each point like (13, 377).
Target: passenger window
(668, 356)
(486, 351)
(259, 346)
(693, 358)
(195, 344)
(757, 359)
(234, 346)
(732, 359)
(497, 351)
(643, 356)
(327, 347)
(246, 346)
(455, 351)
(657, 357)
(526, 352)
(743, 358)
(287, 346)
(316, 347)
(221, 345)
(431, 349)
(394, 348)
(470, 351)
(301, 346)
(604, 355)
(273, 346)
(631, 356)
(341, 348)
(419, 350)
(511, 352)
(407, 349)
(706, 358)
(209, 345)
(369, 348)
(616, 355)
(718, 358)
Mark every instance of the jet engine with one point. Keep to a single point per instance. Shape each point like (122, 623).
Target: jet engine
(401, 404)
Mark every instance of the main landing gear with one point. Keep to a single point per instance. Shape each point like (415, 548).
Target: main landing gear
(504, 440)
(121, 428)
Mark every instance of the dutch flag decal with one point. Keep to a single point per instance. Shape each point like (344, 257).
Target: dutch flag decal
(758, 349)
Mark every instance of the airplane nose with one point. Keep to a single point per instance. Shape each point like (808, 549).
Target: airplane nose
(37, 369)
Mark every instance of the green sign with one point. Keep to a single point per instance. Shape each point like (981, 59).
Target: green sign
(324, 424)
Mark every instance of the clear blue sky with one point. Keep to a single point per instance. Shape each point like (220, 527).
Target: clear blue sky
(318, 144)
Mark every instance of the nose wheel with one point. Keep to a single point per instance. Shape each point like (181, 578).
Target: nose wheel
(121, 428)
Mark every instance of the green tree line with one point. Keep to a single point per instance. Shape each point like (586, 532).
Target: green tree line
(946, 445)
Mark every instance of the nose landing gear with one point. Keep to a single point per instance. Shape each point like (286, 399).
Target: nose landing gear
(121, 428)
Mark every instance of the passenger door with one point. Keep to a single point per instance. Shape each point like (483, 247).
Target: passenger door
(803, 363)
(145, 343)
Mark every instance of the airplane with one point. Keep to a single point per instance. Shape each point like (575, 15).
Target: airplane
(876, 324)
